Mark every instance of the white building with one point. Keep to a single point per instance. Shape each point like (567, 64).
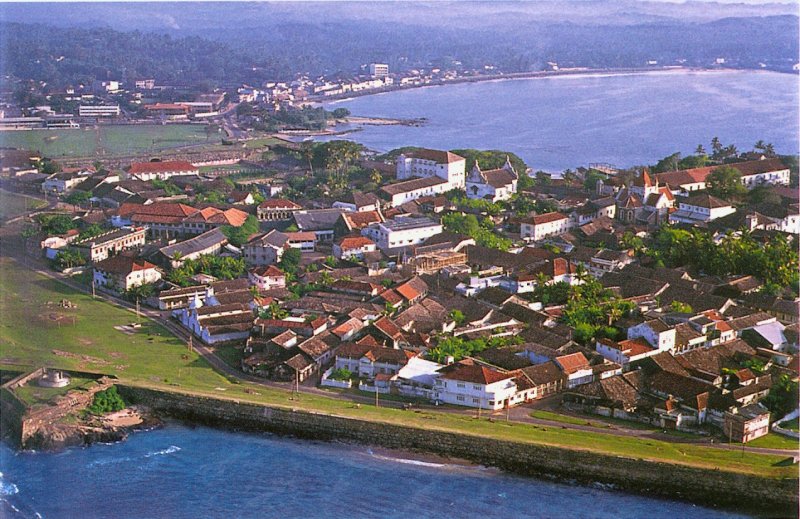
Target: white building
(379, 70)
(401, 232)
(162, 170)
(624, 352)
(121, 273)
(99, 111)
(541, 226)
(492, 184)
(656, 332)
(701, 208)
(353, 247)
(267, 278)
(472, 385)
(424, 163)
(408, 190)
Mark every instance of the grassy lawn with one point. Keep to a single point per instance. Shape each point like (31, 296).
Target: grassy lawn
(556, 417)
(14, 204)
(34, 395)
(34, 333)
(107, 140)
(774, 441)
(232, 355)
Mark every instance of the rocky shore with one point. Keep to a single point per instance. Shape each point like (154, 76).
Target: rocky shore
(73, 431)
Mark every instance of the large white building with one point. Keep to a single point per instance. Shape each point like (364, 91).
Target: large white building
(396, 235)
(424, 163)
(541, 226)
(473, 385)
(378, 70)
(701, 208)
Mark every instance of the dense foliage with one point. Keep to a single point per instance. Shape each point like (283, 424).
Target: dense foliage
(458, 347)
(51, 224)
(238, 236)
(481, 230)
(592, 309)
(107, 401)
(782, 397)
(221, 267)
(776, 262)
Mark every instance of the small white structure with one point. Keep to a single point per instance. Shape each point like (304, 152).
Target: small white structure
(541, 226)
(701, 208)
(53, 378)
(401, 232)
(493, 184)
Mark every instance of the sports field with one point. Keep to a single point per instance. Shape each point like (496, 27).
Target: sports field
(107, 140)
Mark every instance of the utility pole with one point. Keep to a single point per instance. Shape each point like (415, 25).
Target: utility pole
(297, 383)
(137, 308)
(93, 292)
(189, 342)
(376, 392)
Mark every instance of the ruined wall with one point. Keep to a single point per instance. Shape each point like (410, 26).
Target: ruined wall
(710, 487)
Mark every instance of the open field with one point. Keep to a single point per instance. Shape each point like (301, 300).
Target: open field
(792, 425)
(14, 204)
(107, 140)
(34, 333)
(262, 142)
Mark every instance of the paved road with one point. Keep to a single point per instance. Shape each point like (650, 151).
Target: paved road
(518, 414)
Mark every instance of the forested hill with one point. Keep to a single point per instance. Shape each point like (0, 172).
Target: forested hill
(278, 50)
(62, 56)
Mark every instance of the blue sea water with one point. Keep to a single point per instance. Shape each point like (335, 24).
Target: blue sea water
(564, 122)
(186, 472)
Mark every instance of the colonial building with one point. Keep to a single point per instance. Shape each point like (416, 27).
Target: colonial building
(541, 226)
(701, 208)
(267, 278)
(473, 385)
(425, 163)
(276, 209)
(121, 273)
(353, 247)
(162, 170)
(401, 233)
(492, 184)
(110, 243)
(266, 249)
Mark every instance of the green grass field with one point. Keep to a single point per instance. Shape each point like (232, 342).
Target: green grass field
(13, 204)
(774, 441)
(792, 425)
(35, 396)
(107, 140)
(34, 333)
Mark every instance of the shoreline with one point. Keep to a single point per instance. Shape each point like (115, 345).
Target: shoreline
(704, 486)
(549, 74)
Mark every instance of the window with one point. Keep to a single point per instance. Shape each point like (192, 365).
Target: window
(476, 386)
(461, 384)
(476, 400)
(460, 398)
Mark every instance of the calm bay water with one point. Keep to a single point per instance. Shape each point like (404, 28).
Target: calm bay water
(183, 472)
(569, 121)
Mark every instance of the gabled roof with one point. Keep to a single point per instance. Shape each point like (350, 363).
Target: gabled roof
(473, 373)
(706, 201)
(122, 264)
(412, 185)
(361, 219)
(572, 362)
(539, 219)
(267, 271)
(355, 242)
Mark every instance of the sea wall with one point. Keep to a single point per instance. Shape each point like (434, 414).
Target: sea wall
(708, 487)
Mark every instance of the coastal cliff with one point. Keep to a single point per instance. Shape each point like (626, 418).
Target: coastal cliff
(758, 495)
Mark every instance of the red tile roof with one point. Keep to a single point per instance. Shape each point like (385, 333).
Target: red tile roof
(473, 373)
(573, 362)
(438, 156)
(123, 265)
(540, 219)
(268, 271)
(355, 242)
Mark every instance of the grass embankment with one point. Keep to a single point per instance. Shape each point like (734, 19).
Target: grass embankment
(34, 333)
(14, 204)
(774, 441)
(108, 140)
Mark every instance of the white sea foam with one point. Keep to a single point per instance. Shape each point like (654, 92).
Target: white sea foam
(7, 489)
(169, 450)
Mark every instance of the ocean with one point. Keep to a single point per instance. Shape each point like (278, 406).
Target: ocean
(562, 122)
(181, 471)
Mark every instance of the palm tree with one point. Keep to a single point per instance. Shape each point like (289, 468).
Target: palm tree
(542, 279)
(581, 274)
(759, 145)
(769, 150)
(700, 150)
(716, 146)
(307, 152)
(376, 176)
(614, 313)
